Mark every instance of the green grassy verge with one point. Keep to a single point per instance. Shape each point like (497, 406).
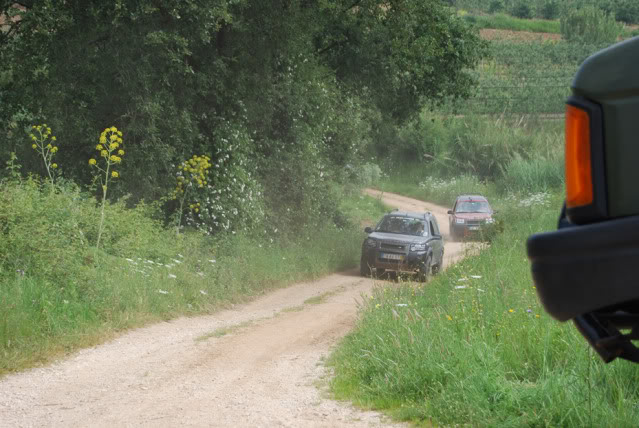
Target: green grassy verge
(57, 294)
(474, 348)
(502, 21)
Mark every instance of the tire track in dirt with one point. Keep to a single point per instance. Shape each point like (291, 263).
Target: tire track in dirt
(265, 372)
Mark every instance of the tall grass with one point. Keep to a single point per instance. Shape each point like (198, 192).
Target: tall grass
(474, 348)
(514, 155)
(58, 294)
(502, 21)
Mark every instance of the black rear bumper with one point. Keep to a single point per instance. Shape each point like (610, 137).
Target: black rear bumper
(586, 268)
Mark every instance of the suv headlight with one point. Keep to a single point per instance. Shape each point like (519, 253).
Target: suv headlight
(371, 243)
(418, 247)
(459, 221)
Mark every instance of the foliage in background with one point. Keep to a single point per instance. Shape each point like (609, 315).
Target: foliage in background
(525, 78)
(589, 25)
(622, 10)
(502, 21)
(511, 153)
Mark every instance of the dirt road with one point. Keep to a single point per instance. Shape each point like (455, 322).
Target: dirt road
(264, 372)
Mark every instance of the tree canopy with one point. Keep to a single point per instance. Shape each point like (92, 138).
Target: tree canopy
(281, 94)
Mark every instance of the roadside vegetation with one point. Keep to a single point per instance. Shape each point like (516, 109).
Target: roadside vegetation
(473, 346)
(59, 292)
(204, 152)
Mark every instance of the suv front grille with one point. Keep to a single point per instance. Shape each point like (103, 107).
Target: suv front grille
(393, 247)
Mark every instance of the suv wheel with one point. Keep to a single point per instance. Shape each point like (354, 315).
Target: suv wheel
(364, 268)
(438, 267)
(425, 270)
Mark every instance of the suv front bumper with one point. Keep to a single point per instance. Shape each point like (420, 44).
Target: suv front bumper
(410, 262)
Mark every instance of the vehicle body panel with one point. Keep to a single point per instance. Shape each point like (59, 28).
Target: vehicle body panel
(606, 79)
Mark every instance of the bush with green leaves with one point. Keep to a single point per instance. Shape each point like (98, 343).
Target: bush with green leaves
(589, 25)
(627, 11)
(522, 9)
(550, 9)
(496, 6)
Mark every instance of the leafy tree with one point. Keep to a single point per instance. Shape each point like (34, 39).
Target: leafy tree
(282, 92)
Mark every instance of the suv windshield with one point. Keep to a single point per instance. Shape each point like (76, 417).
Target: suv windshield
(402, 225)
(472, 207)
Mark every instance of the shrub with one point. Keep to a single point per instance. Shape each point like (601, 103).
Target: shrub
(522, 10)
(549, 9)
(627, 11)
(589, 25)
(496, 6)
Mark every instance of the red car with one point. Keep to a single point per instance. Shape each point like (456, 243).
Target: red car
(470, 214)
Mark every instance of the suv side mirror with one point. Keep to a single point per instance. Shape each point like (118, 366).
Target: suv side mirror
(368, 229)
(450, 211)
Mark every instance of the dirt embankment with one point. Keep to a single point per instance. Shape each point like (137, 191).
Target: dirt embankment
(264, 372)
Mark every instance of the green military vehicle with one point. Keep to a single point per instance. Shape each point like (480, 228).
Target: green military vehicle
(586, 270)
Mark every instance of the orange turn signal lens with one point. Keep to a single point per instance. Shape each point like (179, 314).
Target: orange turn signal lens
(578, 162)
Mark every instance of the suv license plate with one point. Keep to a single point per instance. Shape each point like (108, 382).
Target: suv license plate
(391, 256)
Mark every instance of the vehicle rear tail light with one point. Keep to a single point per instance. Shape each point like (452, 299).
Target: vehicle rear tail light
(586, 195)
(579, 185)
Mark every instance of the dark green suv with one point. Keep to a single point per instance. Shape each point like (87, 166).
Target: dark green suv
(403, 242)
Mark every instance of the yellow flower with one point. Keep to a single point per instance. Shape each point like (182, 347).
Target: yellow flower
(102, 139)
(48, 130)
(197, 210)
(34, 146)
(119, 133)
(54, 149)
(378, 305)
(113, 146)
(49, 146)
(104, 153)
(121, 152)
(114, 129)
(114, 174)
(537, 316)
(113, 158)
(99, 147)
(54, 166)
(92, 162)
(113, 137)
(53, 138)
(511, 310)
